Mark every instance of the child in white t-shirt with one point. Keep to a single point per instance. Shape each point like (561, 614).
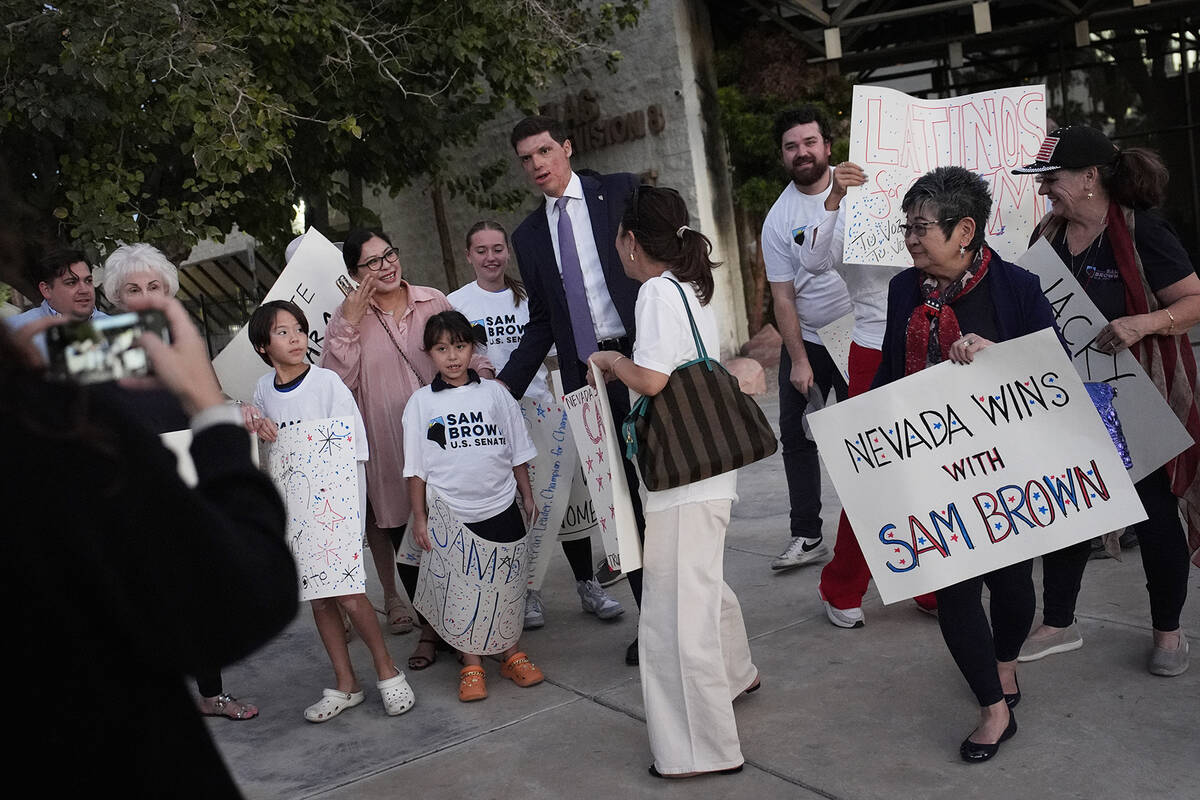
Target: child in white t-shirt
(295, 392)
(478, 477)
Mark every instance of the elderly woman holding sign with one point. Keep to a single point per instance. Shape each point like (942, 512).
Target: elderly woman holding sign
(1134, 269)
(958, 298)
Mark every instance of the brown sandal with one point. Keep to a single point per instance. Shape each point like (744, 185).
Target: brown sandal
(417, 661)
(399, 615)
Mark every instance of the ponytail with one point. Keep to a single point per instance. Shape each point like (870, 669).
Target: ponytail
(658, 218)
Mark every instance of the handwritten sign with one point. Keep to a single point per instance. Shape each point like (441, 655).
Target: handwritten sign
(836, 337)
(959, 470)
(471, 590)
(310, 281)
(1154, 433)
(590, 416)
(897, 138)
(550, 475)
(314, 468)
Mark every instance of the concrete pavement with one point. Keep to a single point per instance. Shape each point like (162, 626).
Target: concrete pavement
(871, 713)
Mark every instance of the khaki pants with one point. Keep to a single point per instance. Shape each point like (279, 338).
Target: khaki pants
(692, 641)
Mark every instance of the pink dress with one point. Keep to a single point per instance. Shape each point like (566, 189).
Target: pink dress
(366, 359)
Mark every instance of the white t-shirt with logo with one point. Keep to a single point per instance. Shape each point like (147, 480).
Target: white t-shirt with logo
(664, 341)
(820, 299)
(504, 323)
(464, 442)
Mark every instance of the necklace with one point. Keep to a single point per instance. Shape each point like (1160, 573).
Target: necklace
(1079, 263)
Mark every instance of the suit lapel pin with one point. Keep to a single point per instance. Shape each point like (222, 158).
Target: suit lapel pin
(600, 196)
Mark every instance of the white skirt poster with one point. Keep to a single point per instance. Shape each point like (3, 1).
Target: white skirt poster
(313, 466)
(471, 591)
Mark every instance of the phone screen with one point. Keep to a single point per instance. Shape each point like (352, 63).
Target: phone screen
(106, 349)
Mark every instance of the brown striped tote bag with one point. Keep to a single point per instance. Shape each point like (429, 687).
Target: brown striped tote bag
(700, 425)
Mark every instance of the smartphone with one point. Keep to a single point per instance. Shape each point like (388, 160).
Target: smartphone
(98, 350)
(344, 283)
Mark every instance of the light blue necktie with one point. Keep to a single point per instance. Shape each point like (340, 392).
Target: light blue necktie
(573, 286)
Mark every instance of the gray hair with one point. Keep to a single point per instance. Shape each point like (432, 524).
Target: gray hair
(141, 257)
(954, 193)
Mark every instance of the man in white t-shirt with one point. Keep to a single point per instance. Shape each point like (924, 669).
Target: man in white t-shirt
(803, 302)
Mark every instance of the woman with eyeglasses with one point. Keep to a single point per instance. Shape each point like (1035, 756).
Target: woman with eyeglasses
(373, 341)
(1133, 267)
(958, 298)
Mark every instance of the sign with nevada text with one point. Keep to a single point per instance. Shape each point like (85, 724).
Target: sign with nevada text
(1155, 435)
(897, 138)
(600, 457)
(961, 469)
(310, 281)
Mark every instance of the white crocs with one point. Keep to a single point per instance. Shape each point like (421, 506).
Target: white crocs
(331, 704)
(398, 696)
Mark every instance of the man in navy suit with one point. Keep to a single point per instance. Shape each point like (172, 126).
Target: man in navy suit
(580, 299)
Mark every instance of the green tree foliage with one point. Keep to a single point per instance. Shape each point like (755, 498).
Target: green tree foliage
(172, 121)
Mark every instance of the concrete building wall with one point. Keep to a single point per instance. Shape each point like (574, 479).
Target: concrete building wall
(655, 116)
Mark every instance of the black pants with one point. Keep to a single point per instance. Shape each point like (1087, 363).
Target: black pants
(800, 464)
(209, 683)
(975, 645)
(1164, 560)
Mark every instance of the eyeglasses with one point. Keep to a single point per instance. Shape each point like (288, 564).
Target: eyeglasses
(375, 264)
(921, 228)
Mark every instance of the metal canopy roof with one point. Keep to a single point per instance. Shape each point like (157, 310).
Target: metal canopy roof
(884, 33)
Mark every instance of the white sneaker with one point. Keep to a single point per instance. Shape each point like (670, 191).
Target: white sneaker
(843, 617)
(597, 601)
(535, 616)
(799, 552)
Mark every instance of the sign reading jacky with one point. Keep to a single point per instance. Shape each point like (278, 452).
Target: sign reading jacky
(959, 470)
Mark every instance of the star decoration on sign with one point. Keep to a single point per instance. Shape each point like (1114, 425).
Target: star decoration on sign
(328, 517)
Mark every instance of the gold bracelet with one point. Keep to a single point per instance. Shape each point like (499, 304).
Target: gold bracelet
(1171, 327)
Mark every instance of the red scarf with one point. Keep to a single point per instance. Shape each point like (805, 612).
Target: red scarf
(933, 326)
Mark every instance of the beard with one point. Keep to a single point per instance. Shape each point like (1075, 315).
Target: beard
(808, 172)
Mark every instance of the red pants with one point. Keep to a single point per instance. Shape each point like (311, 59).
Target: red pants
(844, 579)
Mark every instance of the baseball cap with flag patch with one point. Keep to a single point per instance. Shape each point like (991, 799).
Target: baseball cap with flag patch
(1072, 147)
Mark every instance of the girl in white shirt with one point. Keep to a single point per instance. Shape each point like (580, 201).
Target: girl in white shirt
(693, 649)
(477, 476)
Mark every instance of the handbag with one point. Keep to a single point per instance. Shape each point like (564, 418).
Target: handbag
(700, 425)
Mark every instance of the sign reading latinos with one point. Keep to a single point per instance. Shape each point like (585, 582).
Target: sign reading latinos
(897, 138)
(550, 475)
(589, 414)
(1155, 435)
(313, 466)
(310, 281)
(959, 470)
(471, 590)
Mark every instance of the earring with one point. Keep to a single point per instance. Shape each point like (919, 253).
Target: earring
(962, 249)
(632, 257)
(1089, 194)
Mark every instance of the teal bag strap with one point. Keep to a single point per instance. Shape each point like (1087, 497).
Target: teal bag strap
(700, 351)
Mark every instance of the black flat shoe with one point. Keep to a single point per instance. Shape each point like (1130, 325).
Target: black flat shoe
(654, 773)
(631, 654)
(1011, 700)
(975, 753)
